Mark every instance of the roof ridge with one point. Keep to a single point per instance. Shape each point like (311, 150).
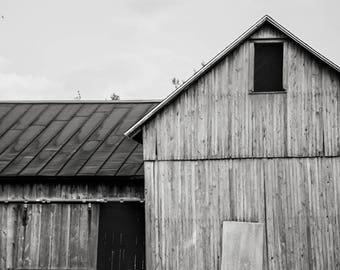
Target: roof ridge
(80, 101)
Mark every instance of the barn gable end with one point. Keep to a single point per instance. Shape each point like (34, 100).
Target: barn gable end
(265, 28)
(217, 151)
(298, 122)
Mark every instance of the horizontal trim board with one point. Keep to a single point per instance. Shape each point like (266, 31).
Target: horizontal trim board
(251, 92)
(240, 158)
(268, 39)
(73, 179)
(82, 268)
(76, 201)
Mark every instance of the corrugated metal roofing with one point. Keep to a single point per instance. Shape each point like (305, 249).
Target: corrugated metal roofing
(70, 138)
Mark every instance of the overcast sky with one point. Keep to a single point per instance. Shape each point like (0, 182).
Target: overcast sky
(52, 49)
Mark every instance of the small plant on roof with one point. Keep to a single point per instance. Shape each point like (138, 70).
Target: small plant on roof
(175, 81)
(114, 96)
(78, 96)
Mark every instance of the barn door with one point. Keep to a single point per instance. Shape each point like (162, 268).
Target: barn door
(121, 237)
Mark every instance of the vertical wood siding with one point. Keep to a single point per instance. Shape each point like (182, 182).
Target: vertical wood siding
(297, 199)
(56, 236)
(186, 204)
(219, 152)
(218, 118)
(267, 31)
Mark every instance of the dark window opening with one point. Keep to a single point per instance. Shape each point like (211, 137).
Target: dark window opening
(268, 67)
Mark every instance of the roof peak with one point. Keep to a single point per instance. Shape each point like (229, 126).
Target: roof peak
(266, 18)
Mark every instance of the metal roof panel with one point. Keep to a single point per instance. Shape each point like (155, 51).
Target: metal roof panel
(70, 138)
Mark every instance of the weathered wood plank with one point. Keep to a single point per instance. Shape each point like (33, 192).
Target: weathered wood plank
(267, 32)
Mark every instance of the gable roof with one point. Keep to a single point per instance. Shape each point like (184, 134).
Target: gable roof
(70, 138)
(136, 128)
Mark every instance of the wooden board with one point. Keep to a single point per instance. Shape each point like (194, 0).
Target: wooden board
(46, 243)
(242, 246)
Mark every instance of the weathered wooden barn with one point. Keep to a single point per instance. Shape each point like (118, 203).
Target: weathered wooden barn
(241, 170)
(71, 186)
(254, 138)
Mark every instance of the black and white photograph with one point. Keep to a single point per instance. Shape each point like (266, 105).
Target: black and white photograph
(169, 135)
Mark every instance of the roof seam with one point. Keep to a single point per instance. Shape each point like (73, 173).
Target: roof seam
(85, 139)
(7, 112)
(48, 142)
(23, 131)
(14, 122)
(68, 140)
(109, 156)
(104, 139)
(102, 165)
(30, 143)
(140, 166)
(124, 162)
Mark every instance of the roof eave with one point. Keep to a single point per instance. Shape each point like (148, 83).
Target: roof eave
(122, 101)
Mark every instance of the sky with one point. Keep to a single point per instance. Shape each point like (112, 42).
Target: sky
(52, 49)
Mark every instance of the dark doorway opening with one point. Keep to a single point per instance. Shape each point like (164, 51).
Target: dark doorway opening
(121, 240)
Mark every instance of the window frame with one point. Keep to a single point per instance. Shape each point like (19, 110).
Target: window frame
(251, 67)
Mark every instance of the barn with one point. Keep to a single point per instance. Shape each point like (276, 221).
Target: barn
(72, 186)
(242, 161)
(238, 168)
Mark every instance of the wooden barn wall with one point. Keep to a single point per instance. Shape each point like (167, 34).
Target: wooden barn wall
(56, 235)
(218, 118)
(297, 199)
